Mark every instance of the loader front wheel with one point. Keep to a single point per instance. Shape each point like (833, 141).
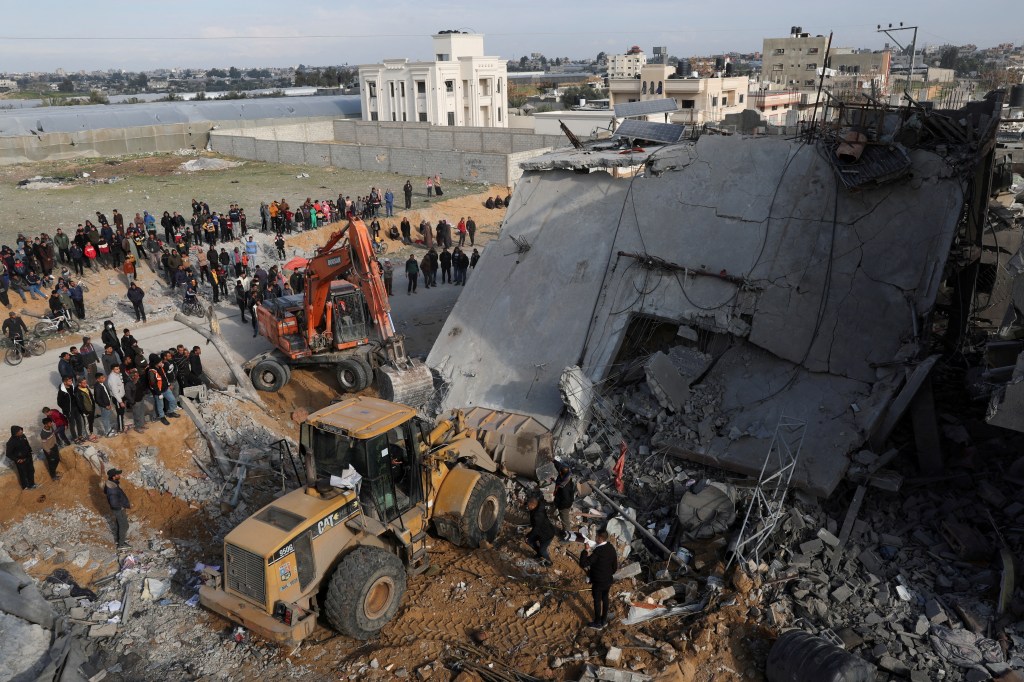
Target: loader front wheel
(485, 511)
(365, 592)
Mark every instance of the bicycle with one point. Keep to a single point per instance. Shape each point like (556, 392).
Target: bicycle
(194, 308)
(20, 347)
(56, 325)
(380, 246)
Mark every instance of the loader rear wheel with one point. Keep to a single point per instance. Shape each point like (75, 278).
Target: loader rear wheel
(485, 512)
(352, 375)
(365, 592)
(269, 375)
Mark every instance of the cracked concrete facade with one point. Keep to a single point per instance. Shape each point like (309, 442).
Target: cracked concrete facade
(816, 288)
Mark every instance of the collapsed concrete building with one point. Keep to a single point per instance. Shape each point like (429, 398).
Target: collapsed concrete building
(783, 281)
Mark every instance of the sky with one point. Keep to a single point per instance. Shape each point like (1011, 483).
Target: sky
(142, 35)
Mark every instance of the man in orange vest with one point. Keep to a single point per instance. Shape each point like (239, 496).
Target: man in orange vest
(160, 389)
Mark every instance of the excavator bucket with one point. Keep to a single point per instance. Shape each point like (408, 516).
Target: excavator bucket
(411, 384)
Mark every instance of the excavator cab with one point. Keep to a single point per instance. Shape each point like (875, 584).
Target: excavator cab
(348, 312)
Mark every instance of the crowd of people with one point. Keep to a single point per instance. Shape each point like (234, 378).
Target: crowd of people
(107, 388)
(100, 388)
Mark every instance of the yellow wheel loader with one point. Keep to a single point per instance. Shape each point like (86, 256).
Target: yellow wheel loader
(377, 479)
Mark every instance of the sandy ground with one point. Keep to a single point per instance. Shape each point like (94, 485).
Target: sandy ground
(471, 591)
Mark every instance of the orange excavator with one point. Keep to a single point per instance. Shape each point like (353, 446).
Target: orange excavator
(342, 319)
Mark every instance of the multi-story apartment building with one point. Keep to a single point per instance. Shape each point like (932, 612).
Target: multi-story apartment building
(627, 65)
(796, 63)
(700, 100)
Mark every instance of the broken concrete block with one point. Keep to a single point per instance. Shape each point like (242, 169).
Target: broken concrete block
(828, 538)
(103, 630)
(613, 656)
(627, 571)
(934, 611)
(922, 625)
(811, 547)
(669, 388)
(198, 393)
(893, 665)
(424, 672)
(78, 613)
(842, 593)
(663, 594)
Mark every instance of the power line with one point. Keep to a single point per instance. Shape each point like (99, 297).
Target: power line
(375, 36)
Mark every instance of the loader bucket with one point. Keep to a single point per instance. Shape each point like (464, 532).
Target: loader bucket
(520, 444)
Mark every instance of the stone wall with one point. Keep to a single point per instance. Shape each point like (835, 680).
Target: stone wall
(152, 138)
(485, 155)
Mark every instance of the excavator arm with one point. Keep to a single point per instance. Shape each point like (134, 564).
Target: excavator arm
(356, 258)
(402, 379)
(370, 279)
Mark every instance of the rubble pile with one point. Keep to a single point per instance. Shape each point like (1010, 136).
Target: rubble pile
(151, 473)
(146, 614)
(911, 583)
(227, 418)
(60, 536)
(915, 591)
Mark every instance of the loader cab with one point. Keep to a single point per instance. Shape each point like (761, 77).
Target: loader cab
(385, 454)
(348, 313)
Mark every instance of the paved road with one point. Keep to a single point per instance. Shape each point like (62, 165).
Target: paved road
(29, 386)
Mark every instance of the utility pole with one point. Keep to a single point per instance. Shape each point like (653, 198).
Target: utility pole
(913, 45)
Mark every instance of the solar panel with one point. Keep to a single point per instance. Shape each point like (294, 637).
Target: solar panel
(651, 106)
(668, 133)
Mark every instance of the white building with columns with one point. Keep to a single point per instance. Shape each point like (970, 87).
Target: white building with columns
(461, 87)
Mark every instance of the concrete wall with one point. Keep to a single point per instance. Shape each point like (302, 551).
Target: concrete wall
(443, 138)
(151, 138)
(486, 155)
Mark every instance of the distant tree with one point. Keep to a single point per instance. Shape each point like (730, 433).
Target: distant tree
(200, 96)
(217, 73)
(170, 97)
(141, 81)
(518, 93)
(523, 61)
(234, 73)
(948, 57)
(571, 96)
(543, 61)
(234, 94)
(66, 86)
(97, 97)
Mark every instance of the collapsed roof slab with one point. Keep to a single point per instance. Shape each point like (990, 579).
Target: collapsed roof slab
(757, 390)
(752, 238)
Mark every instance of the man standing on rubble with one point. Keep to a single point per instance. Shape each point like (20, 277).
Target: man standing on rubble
(541, 531)
(600, 564)
(118, 502)
(565, 495)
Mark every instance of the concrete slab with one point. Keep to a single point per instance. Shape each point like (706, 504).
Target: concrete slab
(751, 239)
